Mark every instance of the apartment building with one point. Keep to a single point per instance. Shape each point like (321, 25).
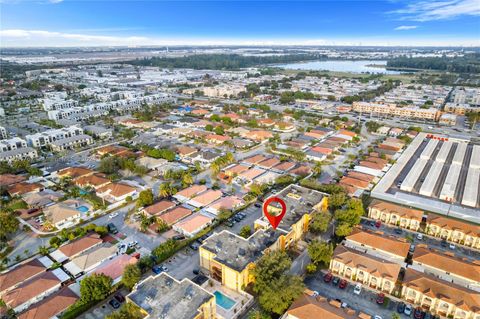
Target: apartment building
(453, 230)
(447, 267)
(163, 296)
(223, 90)
(12, 144)
(374, 272)
(461, 108)
(397, 215)
(229, 258)
(3, 133)
(72, 142)
(462, 95)
(440, 297)
(24, 153)
(58, 104)
(379, 245)
(49, 136)
(394, 110)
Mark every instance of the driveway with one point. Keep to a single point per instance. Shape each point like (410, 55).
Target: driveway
(364, 302)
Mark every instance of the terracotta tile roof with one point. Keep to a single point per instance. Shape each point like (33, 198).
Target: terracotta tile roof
(259, 135)
(399, 210)
(172, 216)
(380, 242)
(354, 182)
(191, 191)
(348, 133)
(237, 169)
(252, 173)
(79, 245)
(284, 166)
(218, 138)
(316, 135)
(255, 159)
(208, 197)
(114, 268)
(20, 274)
(301, 170)
(432, 287)
(361, 176)
(30, 289)
(51, 306)
(309, 307)
(447, 263)
(228, 202)
(375, 266)
(372, 165)
(323, 150)
(186, 150)
(194, 223)
(94, 180)
(9, 179)
(159, 207)
(24, 188)
(269, 163)
(116, 189)
(74, 172)
(453, 224)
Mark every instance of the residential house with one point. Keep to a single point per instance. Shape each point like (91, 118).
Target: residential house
(158, 208)
(162, 296)
(453, 230)
(440, 297)
(447, 267)
(76, 247)
(114, 268)
(34, 289)
(21, 273)
(397, 215)
(229, 203)
(189, 192)
(379, 245)
(94, 181)
(374, 272)
(63, 214)
(174, 215)
(52, 306)
(23, 188)
(193, 224)
(116, 192)
(90, 259)
(205, 198)
(308, 306)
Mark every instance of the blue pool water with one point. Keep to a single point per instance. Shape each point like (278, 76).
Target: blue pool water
(82, 209)
(223, 301)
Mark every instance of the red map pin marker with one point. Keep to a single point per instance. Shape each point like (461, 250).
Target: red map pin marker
(274, 219)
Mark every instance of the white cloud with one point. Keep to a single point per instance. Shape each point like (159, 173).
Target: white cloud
(55, 1)
(42, 38)
(406, 27)
(438, 10)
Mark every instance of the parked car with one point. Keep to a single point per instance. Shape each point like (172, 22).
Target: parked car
(196, 271)
(451, 246)
(113, 215)
(378, 223)
(328, 277)
(119, 297)
(380, 298)
(412, 248)
(335, 281)
(372, 223)
(112, 228)
(229, 224)
(408, 310)
(418, 313)
(257, 204)
(444, 244)
(194, 246)
(343, 284)
(178, 237)
(398, 231)
(420, 236)
(358, 289)
(377, 317)
(400, 307)
(114, 303)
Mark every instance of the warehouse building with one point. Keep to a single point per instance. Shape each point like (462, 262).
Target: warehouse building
(437, 174)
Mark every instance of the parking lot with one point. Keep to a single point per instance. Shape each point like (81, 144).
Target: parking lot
(103, 309)
(364, 302)
(431, 242)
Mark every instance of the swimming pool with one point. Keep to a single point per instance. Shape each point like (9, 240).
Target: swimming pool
(223, 301)
(82, 209)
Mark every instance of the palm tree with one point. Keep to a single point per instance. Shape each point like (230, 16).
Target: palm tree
(317, 169)
(43, 250)
(165, 189)
(187, 179)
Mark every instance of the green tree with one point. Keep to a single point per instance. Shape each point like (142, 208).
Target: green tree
(319, 252)
(317, 168)
(343, 229)
(259, 315)
(126, 311)
(275, 287)
(219, 130)
(95, 287)
(145, 198)
(246, 231)
(43, 250)
(187, 179)
(337, 200)
(165, 250)
(131, 275)
(9, 224)
(395, 316)
(319, 223)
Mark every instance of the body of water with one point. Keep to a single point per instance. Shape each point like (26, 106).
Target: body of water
(223, 301)
(359, 66)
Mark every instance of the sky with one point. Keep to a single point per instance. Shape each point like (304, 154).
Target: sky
(37, 23)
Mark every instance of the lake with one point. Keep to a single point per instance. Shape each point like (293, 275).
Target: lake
(359, 66)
